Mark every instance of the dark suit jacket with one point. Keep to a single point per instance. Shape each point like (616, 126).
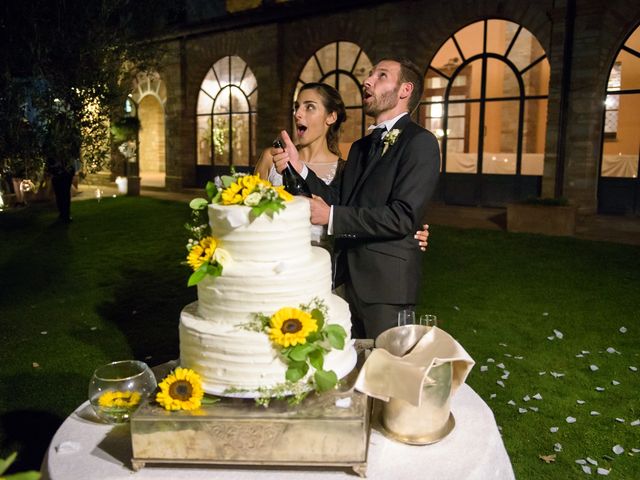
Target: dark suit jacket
(377, 210)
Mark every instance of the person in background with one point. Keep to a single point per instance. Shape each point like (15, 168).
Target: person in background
(375, 205)
(318, 114)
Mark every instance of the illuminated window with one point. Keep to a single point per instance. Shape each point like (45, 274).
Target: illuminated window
(345, 66)
(621, 125)
(485, 100)
(226, 114)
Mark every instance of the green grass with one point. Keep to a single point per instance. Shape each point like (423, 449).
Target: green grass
(110, 286)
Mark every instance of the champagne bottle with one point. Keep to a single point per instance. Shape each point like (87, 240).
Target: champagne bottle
(291, 179)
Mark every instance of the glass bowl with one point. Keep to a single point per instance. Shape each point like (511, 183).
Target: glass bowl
(117, 389)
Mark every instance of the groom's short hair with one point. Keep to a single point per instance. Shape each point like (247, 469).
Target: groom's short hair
(410, 73)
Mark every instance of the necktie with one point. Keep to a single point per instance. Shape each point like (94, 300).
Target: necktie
(374, 147)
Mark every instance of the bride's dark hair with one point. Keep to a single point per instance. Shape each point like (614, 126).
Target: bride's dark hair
(332, 102)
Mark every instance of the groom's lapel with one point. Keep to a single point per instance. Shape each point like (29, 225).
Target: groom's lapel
(370, 165)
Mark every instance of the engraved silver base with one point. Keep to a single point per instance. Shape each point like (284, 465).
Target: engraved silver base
(328, 430)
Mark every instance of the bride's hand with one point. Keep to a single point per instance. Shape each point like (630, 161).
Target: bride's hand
(288, 154)
(422, 236)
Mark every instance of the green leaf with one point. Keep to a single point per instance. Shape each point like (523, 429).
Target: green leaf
(299, 352)
(6, 463)
(214, 270)
(216, 197)
(197, 276)
(316, 358)
(198, 204)
(211, 189)
(23, 476)
(313, 337)
(227, 180)
(336, 336)
(318, 316)
(325, 380)
(296, 371)
(209, 400)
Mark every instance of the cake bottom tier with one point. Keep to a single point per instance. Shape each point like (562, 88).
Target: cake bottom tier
(234, 361)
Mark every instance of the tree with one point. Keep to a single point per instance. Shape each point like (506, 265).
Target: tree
(70, 54)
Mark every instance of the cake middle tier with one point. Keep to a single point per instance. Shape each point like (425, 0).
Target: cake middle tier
(246, 288)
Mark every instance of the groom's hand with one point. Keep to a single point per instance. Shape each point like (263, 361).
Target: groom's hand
(288, 154)
(319, 211)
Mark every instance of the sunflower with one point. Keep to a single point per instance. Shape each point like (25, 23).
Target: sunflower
(180, 390)
(283, 194)
(116, 399)
(248, 184)
(290, 326)
(232, 194)
(201, 253)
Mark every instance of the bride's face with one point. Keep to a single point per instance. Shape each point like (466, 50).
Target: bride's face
(311, 118)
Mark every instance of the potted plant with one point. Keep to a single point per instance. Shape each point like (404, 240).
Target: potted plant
(547, 216)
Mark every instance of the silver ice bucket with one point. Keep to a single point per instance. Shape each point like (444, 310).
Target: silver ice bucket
(432, 420)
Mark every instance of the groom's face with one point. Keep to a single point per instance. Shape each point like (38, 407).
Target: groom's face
(381, 89)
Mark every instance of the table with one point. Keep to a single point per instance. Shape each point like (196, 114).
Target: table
(83, 448)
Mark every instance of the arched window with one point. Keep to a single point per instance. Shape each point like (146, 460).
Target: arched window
(486, 101)
(619, 187)
(226, 114)
(345, 66)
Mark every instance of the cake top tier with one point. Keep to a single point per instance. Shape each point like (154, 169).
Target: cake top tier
(281, 237)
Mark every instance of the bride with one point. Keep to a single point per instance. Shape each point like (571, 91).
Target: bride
(318, 113)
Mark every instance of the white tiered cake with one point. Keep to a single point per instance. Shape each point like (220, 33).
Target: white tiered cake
(273, 265)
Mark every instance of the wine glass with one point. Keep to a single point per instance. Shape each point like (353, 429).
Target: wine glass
(406, 317)
(428, 320)
(118, 388)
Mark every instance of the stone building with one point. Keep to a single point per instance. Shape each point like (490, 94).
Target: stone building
(527, 98)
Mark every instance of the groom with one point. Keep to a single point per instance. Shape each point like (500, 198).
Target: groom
(378, 202)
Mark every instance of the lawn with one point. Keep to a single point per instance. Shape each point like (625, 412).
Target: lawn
(110, 286)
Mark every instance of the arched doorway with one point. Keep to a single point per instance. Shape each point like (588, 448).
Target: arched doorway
(486, 100)
(149, 96)
(619, 185)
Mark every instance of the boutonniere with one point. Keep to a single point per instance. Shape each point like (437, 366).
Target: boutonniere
(390, 139)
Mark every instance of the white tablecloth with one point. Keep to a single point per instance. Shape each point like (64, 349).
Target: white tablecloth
(473, 450)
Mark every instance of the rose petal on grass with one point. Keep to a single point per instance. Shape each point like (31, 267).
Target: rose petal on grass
(615, 382)
(635, 450)
(511, 402)
(581, 461)
(593, 413)
(518, 357)
(585, 352)
(483, 368)
(505, 376)
(44, 332)
(557, 374)
(553, 429)
(571, 420)
(542, 373)
(619, 420)
(533, 409)
(456, 308)
(557, 447)
(580, 402)
(612, 350)
(508, 355)
(545, 314)
(500, 365)
(558, 334)
(600, 389)
(593, 368)
(603, 471)
(490, 360)
(622, 329)
(526, 398)
(633, 369)
(579, 355)
(592, 461)
(586, 469)
(618, 449)
(551, 338)
(635, 423)
(503, 344)
(493, 395)
(93, 328)
(537, 396)
(501, 383)
(35, 365)
(522, 410)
